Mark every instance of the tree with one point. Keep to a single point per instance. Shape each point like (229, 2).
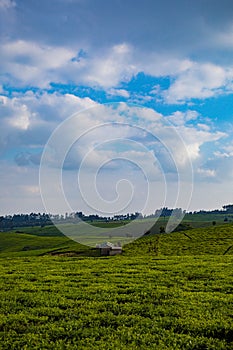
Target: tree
(228, 208)
(162, 229)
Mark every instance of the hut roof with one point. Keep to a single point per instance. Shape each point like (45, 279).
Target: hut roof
(108, 245)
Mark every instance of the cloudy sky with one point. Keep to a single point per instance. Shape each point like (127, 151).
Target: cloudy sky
(161, 70)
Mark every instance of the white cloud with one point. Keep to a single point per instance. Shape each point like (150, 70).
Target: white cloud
(86, 46)
(45, 111)
(187, 136)
(159, 64)
(29, 63)
(220, 166)
(7, 4)
(171, 148)
(180, 118)
(206, 172)
(113, 66)
(220, 154)
(196, 138)
(118, 92)
(225, 151)
(21, 121)
(28, 119)
(199, 81)
(204, 127)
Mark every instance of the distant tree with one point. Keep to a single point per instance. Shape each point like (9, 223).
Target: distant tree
(162, 229)
(228, 208)
(79, 214)
(213, 223)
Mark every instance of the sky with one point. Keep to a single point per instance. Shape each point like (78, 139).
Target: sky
(115, 106)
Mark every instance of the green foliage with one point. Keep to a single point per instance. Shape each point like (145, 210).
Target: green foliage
(116, 303)
(166, 291)
(162, 229)
(217, 240)
(22, 244)
(183, 226)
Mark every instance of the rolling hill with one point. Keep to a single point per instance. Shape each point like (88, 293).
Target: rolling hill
(216, 240)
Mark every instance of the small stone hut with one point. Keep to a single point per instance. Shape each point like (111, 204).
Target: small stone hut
(108, 248)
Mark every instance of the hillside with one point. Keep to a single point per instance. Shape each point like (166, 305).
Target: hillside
(163, 292)
(48, 240)
(16, 244)
(210, 240)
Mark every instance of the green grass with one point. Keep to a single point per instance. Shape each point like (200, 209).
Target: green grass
(15, 244)
(116, 303)
(216, 240)
(51, 231)
(165, 292)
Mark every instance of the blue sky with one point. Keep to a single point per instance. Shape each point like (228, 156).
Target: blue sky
(168, 66)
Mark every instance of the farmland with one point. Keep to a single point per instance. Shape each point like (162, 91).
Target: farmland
(166, 291)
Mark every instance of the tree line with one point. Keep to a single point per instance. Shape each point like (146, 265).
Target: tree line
(8, 222)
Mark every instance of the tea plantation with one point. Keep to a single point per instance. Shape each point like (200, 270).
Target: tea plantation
(165, 292)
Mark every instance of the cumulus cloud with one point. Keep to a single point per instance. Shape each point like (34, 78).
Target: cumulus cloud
(102, 47)
(199, 81)
(28, 63)
(112, 67)
(32, 64)
(118, 92)
(180, 118)
(171, 146)
(220, 169)
(27, 120)
(166, 151)
(158, 156)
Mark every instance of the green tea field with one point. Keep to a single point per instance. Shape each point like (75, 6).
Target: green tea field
(165, 292)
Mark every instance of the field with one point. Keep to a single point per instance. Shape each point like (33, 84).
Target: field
(168, 291)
